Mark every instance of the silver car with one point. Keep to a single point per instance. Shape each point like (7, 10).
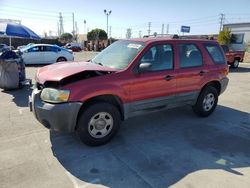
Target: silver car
(45, 54)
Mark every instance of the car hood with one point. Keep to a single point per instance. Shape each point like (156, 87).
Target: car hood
(59, 71)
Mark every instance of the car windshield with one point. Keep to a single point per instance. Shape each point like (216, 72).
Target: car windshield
(119, 54)
(26, 47)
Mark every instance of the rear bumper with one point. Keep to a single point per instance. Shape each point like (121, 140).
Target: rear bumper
(223, 83)
(58, 117)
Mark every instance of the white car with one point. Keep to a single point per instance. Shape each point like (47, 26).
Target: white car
(4, 47)
(45, 54)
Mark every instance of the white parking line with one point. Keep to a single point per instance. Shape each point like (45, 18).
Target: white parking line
(20, 111)
(76, 185)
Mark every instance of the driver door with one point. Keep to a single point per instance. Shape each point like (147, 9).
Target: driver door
(33, 55)
(156, 87)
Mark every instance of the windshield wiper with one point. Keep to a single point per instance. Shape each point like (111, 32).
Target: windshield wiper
(95, 62)
(100, 64)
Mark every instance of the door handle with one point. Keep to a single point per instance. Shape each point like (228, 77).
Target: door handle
(169, 77)
(201, 73)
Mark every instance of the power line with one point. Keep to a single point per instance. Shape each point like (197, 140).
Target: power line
(33, 10)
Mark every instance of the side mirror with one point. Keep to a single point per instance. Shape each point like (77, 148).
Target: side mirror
(144, 67)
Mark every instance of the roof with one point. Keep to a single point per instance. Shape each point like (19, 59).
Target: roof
(43, 45)
(242, 24)
(159, 39)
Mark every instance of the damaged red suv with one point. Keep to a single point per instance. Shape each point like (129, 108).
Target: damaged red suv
(129, 78)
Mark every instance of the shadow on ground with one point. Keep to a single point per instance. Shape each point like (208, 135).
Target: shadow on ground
(239, 69)
(158, 150)
(21, 95)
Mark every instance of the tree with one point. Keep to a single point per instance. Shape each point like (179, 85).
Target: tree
(129, 33)
(66, 38)
(225, 36)
(97, 34)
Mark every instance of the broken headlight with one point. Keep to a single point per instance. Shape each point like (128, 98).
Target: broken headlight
(55, 95)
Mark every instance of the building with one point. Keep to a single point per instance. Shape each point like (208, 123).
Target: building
(240, 35)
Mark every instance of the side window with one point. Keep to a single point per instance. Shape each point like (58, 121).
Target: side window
(215, 53)
(160, 56)
(47, 48)
(34, 49)
(54, 49)
(237, 38)
(190, 56)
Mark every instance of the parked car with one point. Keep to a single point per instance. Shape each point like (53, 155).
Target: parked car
(75, 47)
(45, 54)
(129, 78)
(4, 48)
(233, 57)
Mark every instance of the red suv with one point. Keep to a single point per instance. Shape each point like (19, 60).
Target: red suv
(129, 78)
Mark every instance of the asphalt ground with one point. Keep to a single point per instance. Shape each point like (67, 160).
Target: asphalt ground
(173, 148)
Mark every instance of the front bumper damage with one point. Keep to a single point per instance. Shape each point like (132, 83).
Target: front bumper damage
(58, 117)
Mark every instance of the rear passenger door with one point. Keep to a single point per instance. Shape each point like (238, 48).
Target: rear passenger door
(191, 72)
(49, 54)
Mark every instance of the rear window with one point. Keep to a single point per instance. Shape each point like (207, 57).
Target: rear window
(215, 53)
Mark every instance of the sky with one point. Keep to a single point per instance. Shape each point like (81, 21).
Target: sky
(202, 16)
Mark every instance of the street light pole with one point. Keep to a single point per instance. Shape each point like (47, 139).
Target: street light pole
(107, 13)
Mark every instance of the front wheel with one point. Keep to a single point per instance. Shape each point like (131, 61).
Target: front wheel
(98, 124)
(235, 63)
(60, 59)
(206, 102)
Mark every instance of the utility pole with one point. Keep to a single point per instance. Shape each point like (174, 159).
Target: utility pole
(61, 30)
(162, 30)
(167, 28)
(73, 16)
(149, 28)
(110, 31)
(140, 34)
(222, 18)
(129, 33)
(58, 30)
(76, 31)
(84, 26)
(107, 13)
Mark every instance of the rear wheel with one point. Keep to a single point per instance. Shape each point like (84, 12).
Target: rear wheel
(235, 63)
(206, 102)
(98, 123)
(60, 59)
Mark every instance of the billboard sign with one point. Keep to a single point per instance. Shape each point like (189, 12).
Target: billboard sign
(185, 29)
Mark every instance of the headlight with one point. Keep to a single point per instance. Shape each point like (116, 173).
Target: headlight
(55, 95)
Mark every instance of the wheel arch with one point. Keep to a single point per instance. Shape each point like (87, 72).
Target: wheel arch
(109, 98)
(215, 83)
(61, 57)
(237, 58)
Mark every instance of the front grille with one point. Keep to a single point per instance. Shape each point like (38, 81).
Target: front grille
(39, 86)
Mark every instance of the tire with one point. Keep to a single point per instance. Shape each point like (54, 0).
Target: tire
(60, 59)
(206, 102)
(98, 124)
(235, 63)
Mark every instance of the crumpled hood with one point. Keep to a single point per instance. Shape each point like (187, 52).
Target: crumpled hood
(59, 71)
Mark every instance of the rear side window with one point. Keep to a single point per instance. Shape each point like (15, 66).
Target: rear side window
(216, 54)
(190, 56)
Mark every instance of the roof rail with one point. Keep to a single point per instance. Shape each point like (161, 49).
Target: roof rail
(171, 36)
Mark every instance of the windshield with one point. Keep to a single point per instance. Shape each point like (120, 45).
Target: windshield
(119, 54)
(26, 47)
